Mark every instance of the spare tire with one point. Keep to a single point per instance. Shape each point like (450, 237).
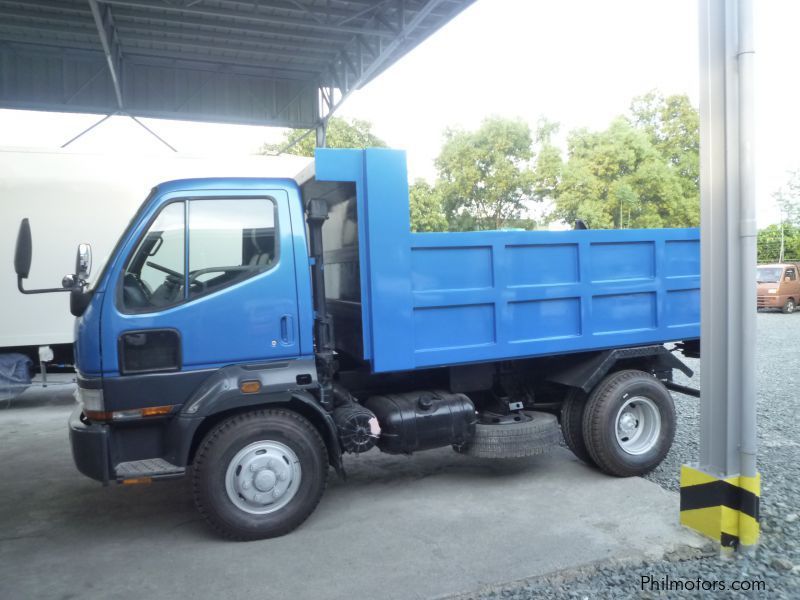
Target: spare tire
(514, 439)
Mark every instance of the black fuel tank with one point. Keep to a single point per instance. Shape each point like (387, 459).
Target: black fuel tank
(422, 420)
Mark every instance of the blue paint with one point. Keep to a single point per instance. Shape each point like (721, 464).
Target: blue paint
(265, 317)
(426, 299)
(447, 298)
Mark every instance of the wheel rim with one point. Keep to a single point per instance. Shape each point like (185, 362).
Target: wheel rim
(263, 477)
(790, 306)
(638, 425)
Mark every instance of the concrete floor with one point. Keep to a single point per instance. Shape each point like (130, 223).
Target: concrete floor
(424, 527)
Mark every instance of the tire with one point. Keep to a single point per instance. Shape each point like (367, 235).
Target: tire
(514, 440)
(788, 307)
(629, 423)
(572, 424)
(283, 450)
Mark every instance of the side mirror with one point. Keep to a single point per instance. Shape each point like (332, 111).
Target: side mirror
(22, 261)
(24, 250)
(83, 262)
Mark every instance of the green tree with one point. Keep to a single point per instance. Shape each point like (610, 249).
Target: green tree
(548, 164)
(788, 199)
(620, 178)
(425, 205)
(673, 126)
(485, 176)
(342, 133)
(769, 243)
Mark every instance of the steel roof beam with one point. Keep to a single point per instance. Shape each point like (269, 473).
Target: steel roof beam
(47, 46)
(34, 16)
(50, 4)
(108, 39)
(38, 28)
(252, 17)
(327, 10)
(199, 45)
(124, 26)
(191, 22)
(382, 54)
(205, 61)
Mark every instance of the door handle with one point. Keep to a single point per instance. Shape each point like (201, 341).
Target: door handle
(287, 330)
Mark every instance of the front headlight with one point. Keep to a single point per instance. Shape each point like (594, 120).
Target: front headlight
(772, 291)
(90, 400)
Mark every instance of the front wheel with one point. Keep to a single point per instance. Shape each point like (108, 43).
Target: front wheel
(259, 474)
(629, 423)
(788, 307)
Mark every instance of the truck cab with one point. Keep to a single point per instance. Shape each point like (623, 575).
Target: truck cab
(778, 286)
(251, 331)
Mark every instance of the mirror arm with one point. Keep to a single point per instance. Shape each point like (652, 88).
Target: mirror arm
(42, 291)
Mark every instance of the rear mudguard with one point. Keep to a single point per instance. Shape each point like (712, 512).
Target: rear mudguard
(585, 370)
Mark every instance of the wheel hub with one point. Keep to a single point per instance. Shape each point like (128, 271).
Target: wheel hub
(628, 423)
(638, 425)
(263, 477)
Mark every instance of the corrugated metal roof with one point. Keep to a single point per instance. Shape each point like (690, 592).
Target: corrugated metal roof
(278, 62)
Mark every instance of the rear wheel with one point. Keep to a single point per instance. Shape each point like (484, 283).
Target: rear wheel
(572, 424)
(260, 474)
(788, 307)
(629, 423)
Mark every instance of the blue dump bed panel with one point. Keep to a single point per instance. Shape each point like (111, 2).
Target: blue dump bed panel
(433, 299)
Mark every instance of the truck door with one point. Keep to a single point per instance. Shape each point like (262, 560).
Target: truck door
(210, 282)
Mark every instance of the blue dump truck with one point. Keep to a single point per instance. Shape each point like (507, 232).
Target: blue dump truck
(252, 331)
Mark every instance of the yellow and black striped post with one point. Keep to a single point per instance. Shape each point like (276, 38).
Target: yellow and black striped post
(726, 510)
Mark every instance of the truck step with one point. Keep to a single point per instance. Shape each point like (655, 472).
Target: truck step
(155, 468)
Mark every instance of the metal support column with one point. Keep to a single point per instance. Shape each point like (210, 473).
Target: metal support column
(322, 133)
(720, 494)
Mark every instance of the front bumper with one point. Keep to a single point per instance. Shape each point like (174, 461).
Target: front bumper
(90, 445)
(771, 301)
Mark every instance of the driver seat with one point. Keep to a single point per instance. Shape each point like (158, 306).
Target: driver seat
(134, 292)
(260, 257)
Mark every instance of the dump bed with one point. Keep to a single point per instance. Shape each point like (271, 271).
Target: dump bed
(403, 300)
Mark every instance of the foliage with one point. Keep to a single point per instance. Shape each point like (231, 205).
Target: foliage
(342, 133)
(548, 164)
(425, 205)
(788, 199)
(642, 171)
(673, 126)
(769, 243)
(616, 179)
(485, 176)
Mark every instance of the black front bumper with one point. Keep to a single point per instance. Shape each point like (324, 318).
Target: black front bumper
(90, 446)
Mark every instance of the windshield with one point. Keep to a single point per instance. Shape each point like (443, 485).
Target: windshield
(769, 274)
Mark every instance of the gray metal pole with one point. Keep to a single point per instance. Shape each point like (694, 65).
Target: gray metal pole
(727, 238)
(748, 234)
(728, 292)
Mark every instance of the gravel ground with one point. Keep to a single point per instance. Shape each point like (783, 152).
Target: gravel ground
(776, 560)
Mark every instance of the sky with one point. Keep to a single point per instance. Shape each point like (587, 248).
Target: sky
(578, 62)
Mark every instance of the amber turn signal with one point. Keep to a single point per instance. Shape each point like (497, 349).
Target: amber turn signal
(155, 411)
(250, 387)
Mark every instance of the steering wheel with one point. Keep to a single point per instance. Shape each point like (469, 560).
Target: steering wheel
(158, 267)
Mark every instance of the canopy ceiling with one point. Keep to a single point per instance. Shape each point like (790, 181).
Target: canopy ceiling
(287, 63)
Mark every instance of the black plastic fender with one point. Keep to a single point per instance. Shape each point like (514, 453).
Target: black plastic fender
(220, 395)
(585, 370)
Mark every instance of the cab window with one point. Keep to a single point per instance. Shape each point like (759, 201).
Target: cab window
(155, 275)
(228, 241)
(790, 274)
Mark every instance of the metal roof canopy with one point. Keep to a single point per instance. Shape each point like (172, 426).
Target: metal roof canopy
(286, 63)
